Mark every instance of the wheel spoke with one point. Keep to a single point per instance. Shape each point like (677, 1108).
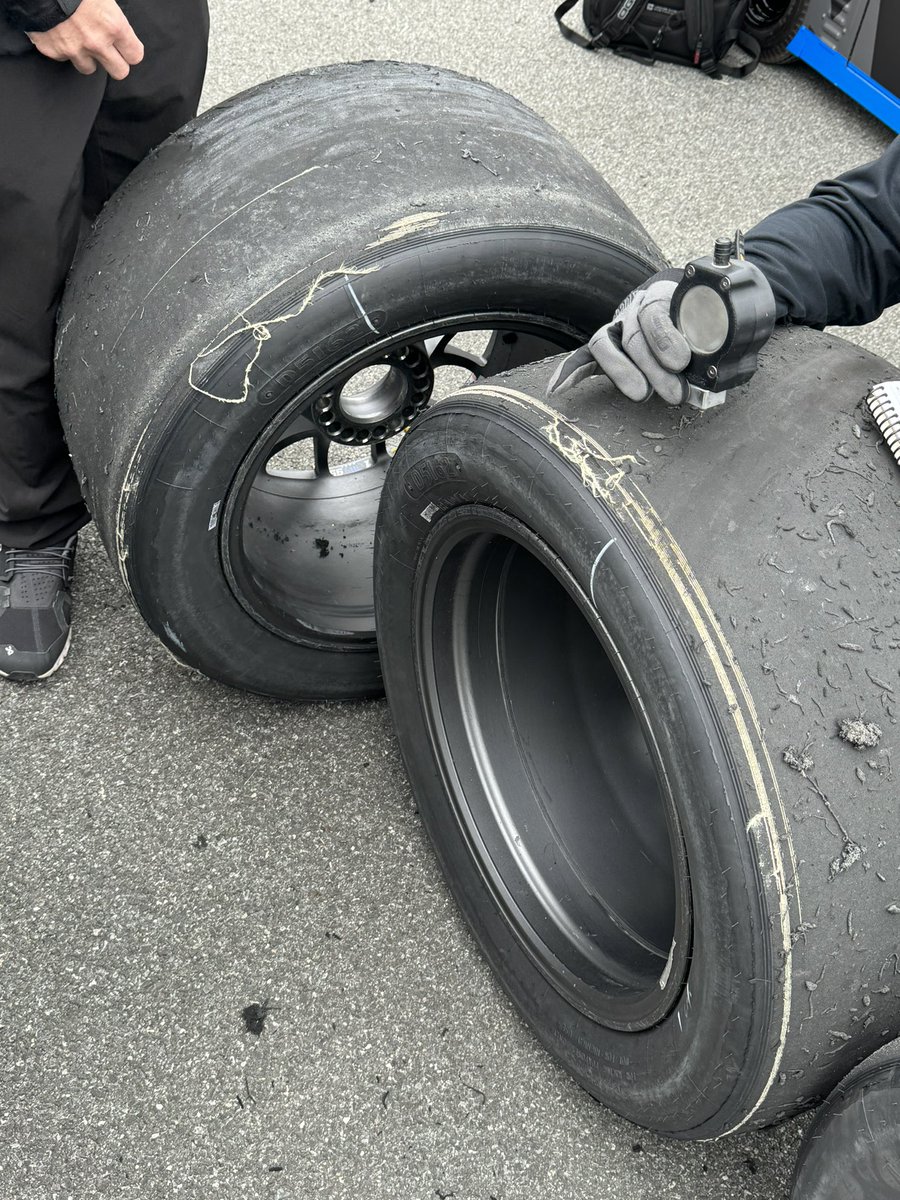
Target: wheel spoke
(434, 347)
(508, 349)
(300, 426)
(297, 430)
(321, 446)
(476, 363)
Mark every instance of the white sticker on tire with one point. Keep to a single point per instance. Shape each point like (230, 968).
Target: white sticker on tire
(214, 516)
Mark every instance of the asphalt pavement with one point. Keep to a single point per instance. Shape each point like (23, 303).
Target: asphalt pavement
(183, 864)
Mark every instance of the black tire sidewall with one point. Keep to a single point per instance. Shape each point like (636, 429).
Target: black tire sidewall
(184, 471)
(692, 1074)
(844, 1152)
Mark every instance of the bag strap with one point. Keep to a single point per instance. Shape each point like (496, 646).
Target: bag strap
(743, 40)
(614, 27)
(701, 17)
(701, 25)
(571, 35)
(735, 35)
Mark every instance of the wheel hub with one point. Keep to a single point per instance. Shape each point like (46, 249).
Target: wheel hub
(376, 412)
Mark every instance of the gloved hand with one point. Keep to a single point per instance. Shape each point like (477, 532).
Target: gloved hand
(640, 349)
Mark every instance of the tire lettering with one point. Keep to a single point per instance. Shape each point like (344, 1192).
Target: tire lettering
(431, 471)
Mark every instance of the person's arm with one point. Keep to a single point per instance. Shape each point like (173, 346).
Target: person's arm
(834, 258)
(87, 33)
(30, 16)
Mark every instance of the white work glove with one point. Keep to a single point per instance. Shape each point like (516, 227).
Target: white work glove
(640, 349)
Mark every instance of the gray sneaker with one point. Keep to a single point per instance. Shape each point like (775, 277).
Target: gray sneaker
(35, 609)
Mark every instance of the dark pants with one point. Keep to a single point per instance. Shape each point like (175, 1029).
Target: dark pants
(66, 142)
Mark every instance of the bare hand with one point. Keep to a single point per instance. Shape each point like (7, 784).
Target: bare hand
(96, 35)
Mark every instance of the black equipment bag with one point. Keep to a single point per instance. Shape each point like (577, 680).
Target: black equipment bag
(694, 32)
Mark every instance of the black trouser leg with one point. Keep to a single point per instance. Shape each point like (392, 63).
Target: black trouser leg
(155, 99)
(66, 142)
(47, 111)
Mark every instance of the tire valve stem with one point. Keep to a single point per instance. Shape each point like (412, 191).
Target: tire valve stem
(884, 405)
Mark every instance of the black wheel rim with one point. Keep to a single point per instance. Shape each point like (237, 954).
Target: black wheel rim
(553, 773)
(297, 531)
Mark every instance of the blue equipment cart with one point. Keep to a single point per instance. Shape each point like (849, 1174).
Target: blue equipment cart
(856, 45)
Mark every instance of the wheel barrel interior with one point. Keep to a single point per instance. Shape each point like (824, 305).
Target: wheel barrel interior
(643, 666)
(643, 662)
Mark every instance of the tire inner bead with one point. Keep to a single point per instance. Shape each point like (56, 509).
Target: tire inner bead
(556, 787)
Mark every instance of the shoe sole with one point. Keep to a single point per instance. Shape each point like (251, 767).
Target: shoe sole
(46, 675)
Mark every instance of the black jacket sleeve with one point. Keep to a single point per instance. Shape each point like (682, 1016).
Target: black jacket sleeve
(36, 16)
(834, 258)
